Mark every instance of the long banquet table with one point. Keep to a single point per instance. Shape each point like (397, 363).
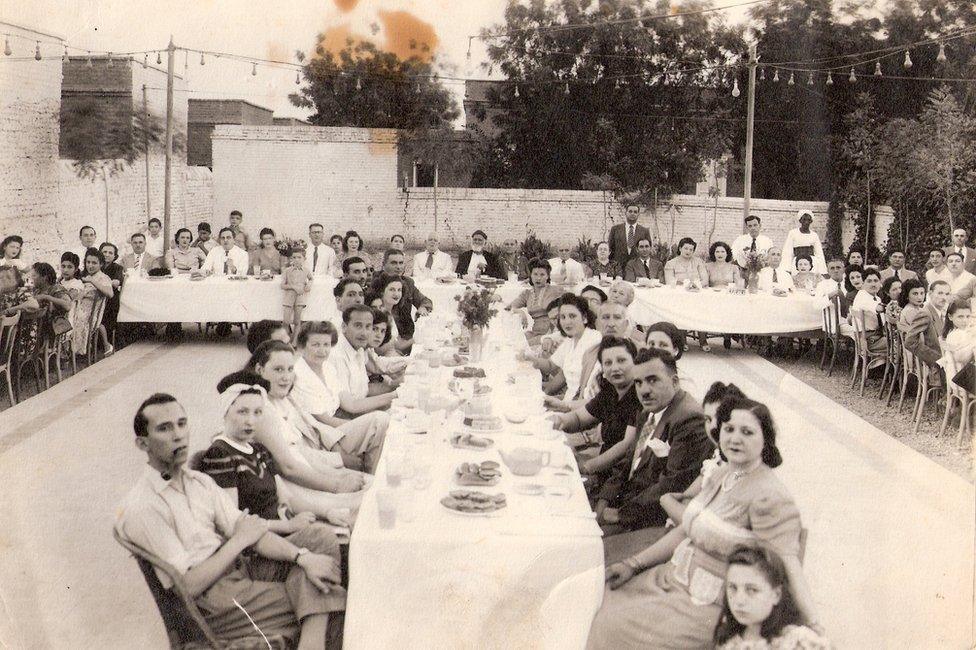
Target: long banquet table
(530, 576)
(216, 299)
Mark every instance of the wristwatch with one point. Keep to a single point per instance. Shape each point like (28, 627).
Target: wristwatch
(299, 553)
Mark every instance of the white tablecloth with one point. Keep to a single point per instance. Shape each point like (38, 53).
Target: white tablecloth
(531, 577)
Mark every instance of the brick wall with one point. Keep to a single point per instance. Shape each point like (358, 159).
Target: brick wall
(30, 101)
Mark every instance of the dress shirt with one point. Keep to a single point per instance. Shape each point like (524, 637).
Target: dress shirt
(214, 263)
(154, 245)
(349, 365)
(440, 265)
(326, 259)
(313, 394)
(744, 241)
(476, 260)
(869, 305)
(569, 357)
(960, 282)
(183, 521)
(829, 286)
(770, 278)
(568, 272)
(644, 438)
(932, 275)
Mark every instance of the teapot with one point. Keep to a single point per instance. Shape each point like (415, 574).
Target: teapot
(524, 461)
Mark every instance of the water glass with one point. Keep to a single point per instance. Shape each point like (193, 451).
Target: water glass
(386, 507)
(394, 470)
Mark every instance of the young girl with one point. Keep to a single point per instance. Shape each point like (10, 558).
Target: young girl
(759, 612)
(958, 338)
(297, 282)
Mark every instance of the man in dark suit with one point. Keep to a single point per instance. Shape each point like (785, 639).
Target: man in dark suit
(896, 266)
(643, 265)
(922, 338)
(960, 237)
(469, 260)
(671, 446)
(624, 237)
(394, 263)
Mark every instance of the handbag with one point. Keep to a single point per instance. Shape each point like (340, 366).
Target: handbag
(966, 377)
(60, 325)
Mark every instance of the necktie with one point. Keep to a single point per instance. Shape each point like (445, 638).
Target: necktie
(430, 261)
(753, 247)
(775, 277)
(646, 432)
(630, 237)
(840, 287)
(315, 259)
(226, 263)
(647, 270)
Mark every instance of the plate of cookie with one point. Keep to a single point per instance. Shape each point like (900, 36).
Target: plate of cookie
(472, 503)
(483, 474)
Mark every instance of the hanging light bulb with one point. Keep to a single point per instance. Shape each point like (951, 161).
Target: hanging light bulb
(776, 75)
(254, 69)
(159, 58)
(37, 51)
(516, 90)
(359, 83)
(90, 64)
(6, 46)
(853, 77)
(830, 78)
(110, 59)
(735, 88)
(791, 82)
(616, 84)
(202, 61)
(145, 60)
(908, 60)
(762, 74)
(810, 79)
(877, 69)
(566, 92)
(417, 88)
(941, 58)
(298, 78)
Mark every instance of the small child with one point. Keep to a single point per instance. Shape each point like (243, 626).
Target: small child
(297, 282)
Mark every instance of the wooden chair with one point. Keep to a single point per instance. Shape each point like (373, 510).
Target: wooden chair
(186, 627)
(956, 393)
(864, 356)
(95, 321)
(54, 348)
(924, 391)
(909, 369)
(832, 336)
(8, 335)
(894, 363)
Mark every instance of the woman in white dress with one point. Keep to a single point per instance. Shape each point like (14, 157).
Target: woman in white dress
(803, 241)
(576, 323)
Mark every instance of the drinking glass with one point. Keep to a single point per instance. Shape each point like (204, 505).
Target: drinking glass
(386, 507)
(394, 470)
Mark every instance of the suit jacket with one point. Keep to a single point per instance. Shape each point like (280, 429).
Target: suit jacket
(638, 497)
(903, 274)
(922, 338)
(149, 262)
(403, 312)
(495, 268)
(619, 251)
(969, 263)
(635, 269)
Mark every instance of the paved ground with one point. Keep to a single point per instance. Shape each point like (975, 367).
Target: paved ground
(889, 555)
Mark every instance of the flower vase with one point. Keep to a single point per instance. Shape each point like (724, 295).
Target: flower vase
(753, 282)
(476, 343)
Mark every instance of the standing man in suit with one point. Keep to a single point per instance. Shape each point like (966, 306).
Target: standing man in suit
(624, 237)
(959, 238)
(643, 265)
(671, 445)
(320, 258)
(896, 265)
(922, 338)
(139, 259)
(470, 260)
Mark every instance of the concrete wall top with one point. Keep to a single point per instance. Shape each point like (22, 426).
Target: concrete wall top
(309, 134)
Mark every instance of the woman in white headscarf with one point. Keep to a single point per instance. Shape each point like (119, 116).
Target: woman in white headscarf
(803, 241)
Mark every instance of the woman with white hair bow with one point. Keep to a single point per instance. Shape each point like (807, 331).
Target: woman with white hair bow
(803, 241)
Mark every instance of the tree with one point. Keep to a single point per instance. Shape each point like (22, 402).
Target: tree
(858, 153)
(608, 106)
(364, 86)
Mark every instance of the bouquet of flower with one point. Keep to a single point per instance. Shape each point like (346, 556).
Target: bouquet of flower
(755, 262)
(286, 245)
(475, 307)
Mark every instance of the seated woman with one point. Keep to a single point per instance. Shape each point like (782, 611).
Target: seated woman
(853, 279)
(387, 295)
(889, 294)
(16, 298)
(671, 594)
(759, 609)
(576, 324)
(721, 271)
(912, 299)
(51, 297)
(97, 286)
(266, 257)
(666, 336)
(352, 246)
(116, 273)
(315, 478)
(244, 467)
(686, 266)
(266, 330)
(594, 296)
(385, 365)
(603, 268)
(621, 292)
(316, 391)
(10, 250)
(959, 340)
(184, 257)
(803, 278)
(536, 299)
(868, 303)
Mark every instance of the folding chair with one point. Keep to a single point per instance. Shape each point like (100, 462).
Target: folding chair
(186, 627)
(832, 334)
(8, 335)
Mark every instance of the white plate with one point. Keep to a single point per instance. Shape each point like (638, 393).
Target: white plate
(493, 513)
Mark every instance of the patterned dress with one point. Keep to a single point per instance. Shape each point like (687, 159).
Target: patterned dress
(677, 604)
(611, 268)
(27, 339)
(793, 637)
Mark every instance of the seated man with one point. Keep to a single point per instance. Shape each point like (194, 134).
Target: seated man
(432, 262)
(512, 261)
(671, 446)
(922, 337)
(356, 268)
(184, 518)
(896, 266)
(348, 361)
(393, 265)
(566, 270)
(478, 260)
(612, 320)
(644, 266)
(139, 259)
(347, 292)
(226, 259)
(833, 284)
(771, 278)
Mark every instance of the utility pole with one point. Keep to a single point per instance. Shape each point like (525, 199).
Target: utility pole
(167, 193)
(145, 114)
(750, 117)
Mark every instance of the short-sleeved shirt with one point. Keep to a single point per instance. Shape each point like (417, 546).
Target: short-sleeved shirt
(249, 468)
(349, 365)
(314, 394)
(183, 520)
(615, 413)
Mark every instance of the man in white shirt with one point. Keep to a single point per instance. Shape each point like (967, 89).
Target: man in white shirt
(226, 259)
(833, 285)
(320, 258)
(154, 238)
(566, 270)
(432, 262)
(771, 278)
(937, 268)
(751, 240)
(139, 258)
(348, 360)
(86, 240)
